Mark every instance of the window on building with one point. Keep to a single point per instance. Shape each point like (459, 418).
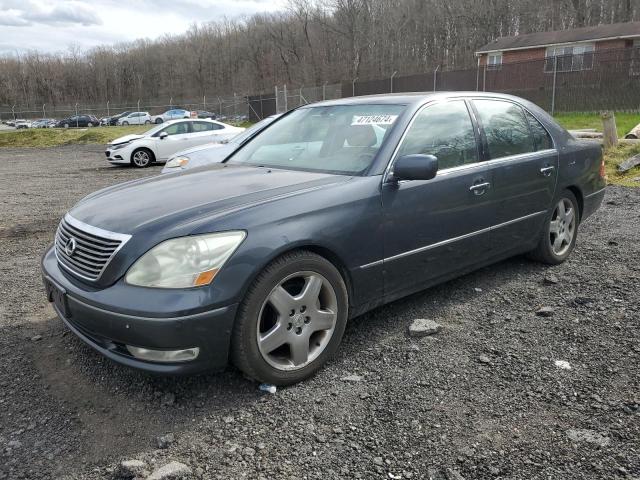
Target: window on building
(634, 67)
(569, 58)
(494, 61)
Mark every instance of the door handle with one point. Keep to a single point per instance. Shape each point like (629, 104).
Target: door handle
(479, 188)
(547, 171)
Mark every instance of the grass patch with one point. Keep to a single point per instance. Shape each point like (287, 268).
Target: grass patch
(613, 157)
(576, 121)
(52, 137)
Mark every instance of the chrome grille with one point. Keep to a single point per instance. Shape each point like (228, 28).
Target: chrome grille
(84, 250)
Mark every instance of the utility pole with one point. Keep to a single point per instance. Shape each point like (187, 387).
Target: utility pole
(392, 75)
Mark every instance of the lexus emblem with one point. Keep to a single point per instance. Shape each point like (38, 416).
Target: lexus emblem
(70, 247)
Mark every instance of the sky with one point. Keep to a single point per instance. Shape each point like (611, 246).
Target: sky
(55, 25)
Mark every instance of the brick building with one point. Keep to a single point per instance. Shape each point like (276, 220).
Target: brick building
(567, 50)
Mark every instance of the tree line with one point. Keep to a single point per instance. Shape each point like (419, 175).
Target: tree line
(309, 43)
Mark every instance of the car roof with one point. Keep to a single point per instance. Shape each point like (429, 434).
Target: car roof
(409, 98)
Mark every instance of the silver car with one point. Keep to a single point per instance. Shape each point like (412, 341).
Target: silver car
(213, 152)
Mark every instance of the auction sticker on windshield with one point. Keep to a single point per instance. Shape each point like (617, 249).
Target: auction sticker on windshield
(373, 119)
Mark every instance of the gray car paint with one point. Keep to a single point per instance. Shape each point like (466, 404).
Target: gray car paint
(388, 238)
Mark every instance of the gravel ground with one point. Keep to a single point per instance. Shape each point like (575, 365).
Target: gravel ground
(482, 398)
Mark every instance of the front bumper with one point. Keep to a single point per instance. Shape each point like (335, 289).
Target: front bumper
(117, 155)
(108, 330)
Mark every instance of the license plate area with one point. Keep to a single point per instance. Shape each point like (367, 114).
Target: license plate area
(57, 296)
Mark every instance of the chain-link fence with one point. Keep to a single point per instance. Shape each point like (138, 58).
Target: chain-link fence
(232, 108)
(599, 80)
(285, 98)
(592, 81)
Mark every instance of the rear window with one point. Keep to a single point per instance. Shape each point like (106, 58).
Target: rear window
(541, 138)
(505, 127)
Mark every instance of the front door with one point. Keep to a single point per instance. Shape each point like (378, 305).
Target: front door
(177, 140)
(525, 167)
(437, 227)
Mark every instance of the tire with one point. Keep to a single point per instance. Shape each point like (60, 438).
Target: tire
(142, 158)
(158, 121)
(66, 125)
(125, 123)
(319, 333)
(147, 122)
(89, 125)
(560, 231)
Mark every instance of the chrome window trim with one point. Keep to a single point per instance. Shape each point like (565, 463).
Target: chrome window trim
(451, 240)
(394, 155)
(123, 238)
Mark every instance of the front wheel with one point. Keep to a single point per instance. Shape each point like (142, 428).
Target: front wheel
(141, 158)
(291, 320)
(560, 231)
(147, 122)
(125, 123)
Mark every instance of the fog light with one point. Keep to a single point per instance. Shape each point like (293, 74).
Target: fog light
(164, 355)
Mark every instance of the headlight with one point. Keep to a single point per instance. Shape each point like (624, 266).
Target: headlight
(177, 162)
(119, 146)
(184, 262)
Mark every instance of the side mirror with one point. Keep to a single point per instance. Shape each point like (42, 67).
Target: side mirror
(415, 167)
(163, 135)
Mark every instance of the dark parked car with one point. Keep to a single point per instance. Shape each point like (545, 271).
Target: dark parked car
(331, 211)
(78, 121)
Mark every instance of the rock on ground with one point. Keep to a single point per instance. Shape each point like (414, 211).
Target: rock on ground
(589, 436)
(422, 327)
(171, 471)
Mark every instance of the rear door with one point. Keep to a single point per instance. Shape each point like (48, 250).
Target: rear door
(436, 227)
(524, 165)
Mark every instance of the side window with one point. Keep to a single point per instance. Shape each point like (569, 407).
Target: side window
(177, 129)
(541, 138)
(506, 128)
(202, 126)
(444, 130)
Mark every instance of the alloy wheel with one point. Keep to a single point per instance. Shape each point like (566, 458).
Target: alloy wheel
(141, 158)
(562, 227)
(297, 320)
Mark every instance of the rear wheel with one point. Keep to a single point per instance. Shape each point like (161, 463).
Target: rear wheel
(291, 320)
(158, 121)
(560, 231)
(66, 125)
(142, 158)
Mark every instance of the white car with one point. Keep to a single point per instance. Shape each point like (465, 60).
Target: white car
(164, 140)
(135, 118)
(173, 114)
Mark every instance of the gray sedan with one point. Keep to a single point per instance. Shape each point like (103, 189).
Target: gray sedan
(337, 208)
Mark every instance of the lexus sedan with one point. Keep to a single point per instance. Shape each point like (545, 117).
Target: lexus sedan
(213, 152)
(262, 259)
(164, 140)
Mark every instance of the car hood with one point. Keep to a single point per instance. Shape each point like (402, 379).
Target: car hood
(199, 148)
(170, 202)
(125, 139)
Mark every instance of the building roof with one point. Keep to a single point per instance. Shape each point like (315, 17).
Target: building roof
(543, 39)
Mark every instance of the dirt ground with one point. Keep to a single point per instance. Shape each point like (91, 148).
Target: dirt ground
(483, 398)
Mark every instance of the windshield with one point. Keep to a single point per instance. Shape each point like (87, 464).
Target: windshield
(249, 132)
(340, 139)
